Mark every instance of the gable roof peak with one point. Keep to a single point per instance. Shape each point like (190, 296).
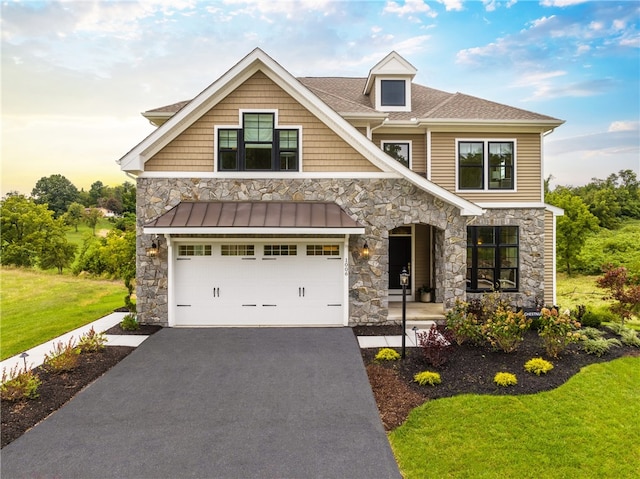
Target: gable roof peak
(392, 64)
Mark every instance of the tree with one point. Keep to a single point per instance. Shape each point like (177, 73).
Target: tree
(55, 191)
(25, 226)
(91, 217)
(622, 288)
(74, 215)
(97, 191)
(573, 227)
(57, 251)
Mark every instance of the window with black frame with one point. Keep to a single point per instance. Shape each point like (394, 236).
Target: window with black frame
(486, 165)
(492, 258)
(258, 146)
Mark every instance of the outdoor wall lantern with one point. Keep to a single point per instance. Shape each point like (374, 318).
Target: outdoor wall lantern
(404, 281)
(365, 251)
(153, 251)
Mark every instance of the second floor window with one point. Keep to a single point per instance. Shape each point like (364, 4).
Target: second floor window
(258, 146)
(486, 165)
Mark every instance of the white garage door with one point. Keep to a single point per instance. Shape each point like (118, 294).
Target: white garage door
(259, 284)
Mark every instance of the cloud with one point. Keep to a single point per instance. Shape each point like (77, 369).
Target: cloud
(624, 125)
(455, 5)
(576, 160)
(409, 8)
(561, 3)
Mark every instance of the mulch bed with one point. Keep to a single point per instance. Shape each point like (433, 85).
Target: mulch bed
(469, 370)
(144, 329)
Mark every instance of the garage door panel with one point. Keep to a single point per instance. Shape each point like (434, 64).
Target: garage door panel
(263, 290)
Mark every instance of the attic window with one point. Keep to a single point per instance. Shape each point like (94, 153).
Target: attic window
(393, 93)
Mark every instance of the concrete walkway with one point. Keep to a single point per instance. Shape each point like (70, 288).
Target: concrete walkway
(218, 403)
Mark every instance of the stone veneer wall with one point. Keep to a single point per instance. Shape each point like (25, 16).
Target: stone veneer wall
(378, 204)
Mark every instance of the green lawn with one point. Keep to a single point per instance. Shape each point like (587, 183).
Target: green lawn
(77, 238)
(578, 289)
(587, 428)
(38, 306)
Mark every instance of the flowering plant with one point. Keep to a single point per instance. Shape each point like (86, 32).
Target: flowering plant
(557, 331)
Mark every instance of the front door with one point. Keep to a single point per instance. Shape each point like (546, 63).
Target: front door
(399, 258)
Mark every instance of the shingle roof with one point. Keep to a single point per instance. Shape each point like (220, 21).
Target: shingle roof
(250, 214)
(345, 95)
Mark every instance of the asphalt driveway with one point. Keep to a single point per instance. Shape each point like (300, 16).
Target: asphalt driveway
(218, 403)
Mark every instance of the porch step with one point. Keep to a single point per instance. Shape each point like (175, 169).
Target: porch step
(419, 312)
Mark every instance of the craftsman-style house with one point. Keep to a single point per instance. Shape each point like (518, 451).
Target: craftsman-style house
(274, 200)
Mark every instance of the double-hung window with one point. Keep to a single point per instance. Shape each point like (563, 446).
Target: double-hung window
(486, 165)
(492, 258)
(259, 145)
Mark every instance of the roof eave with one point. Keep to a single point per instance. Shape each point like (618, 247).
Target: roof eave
(549, 124)
(235, 230)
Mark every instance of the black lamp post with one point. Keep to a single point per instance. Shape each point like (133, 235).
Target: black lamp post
(404, 281)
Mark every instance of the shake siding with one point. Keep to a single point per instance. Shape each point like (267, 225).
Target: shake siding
(322, 150)
(418, 148)
(528, 166)
(549, 239)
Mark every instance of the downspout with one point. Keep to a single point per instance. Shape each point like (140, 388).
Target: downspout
(371, 130)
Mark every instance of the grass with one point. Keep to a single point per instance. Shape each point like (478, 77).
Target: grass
(579, 289)
(585, 429)
(39, 306)
(77, 238)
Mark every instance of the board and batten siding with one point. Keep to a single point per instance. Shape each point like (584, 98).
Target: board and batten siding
(322, 149)
(528, 166)
(418, 148)
(549, 267)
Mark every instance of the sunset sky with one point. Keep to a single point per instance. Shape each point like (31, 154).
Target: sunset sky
(77, 74)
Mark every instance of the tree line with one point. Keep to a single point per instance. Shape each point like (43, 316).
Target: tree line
(34, 228)
(600, 207)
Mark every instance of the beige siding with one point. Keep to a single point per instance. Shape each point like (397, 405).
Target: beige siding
(418, 148)
(322, 149)
(528, 166)
(549, 277)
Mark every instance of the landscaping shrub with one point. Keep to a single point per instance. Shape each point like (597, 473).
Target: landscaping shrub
(130, 323)
(464, 325)
(427, 377)
(92, 342)
(592, 333)
(19, 385)
(505, 329)
(538, 366)
(436, 345)
(387, 354)
(63, 357)
(505, 379)
(599, 346)
(630, 337)
(557, 331)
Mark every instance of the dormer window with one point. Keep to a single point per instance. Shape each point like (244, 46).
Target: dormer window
(393, 93)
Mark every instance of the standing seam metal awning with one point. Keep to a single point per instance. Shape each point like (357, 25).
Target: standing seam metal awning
(247, 217)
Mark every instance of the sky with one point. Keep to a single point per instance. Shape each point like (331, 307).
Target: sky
(77, 74)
